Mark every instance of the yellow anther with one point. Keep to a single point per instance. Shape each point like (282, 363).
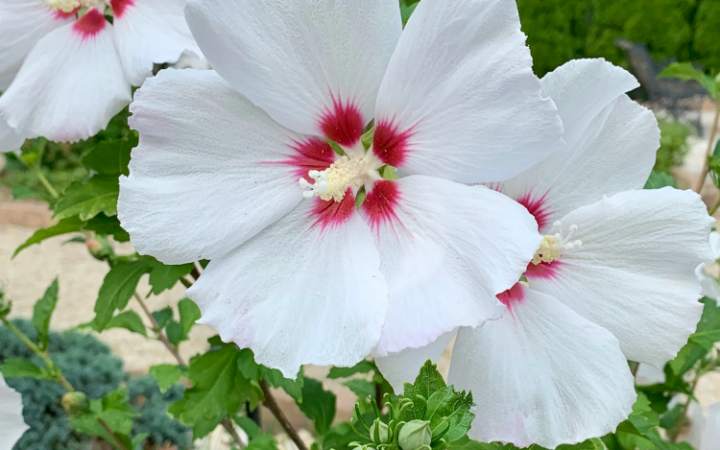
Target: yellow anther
(333, 182)
(548, 252)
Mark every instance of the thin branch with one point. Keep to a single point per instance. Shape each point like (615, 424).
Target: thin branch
(710, 147)
(226, 423)
(634, 366)
(110, 432)
(272, 405)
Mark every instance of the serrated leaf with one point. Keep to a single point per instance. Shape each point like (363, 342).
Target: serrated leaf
(318, 404)
(174, 333)
(219, 388)
(363, 366)
(163, 316)
(118, 287)
(705, 339)
(88, 198)
(65, 226)
(164, 277)
(427, 382)
(449, 413)
(189, 314)
(107, 226)
(114, 410)
(275, 378)
(22, 368)
(166, 375)
(128, 320)
(111, 157)
(42, 312)
(361, 388)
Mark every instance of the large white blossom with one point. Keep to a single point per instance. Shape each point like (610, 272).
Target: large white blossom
(234, 166)
(613, 280)
(12, 424)
(65, 77)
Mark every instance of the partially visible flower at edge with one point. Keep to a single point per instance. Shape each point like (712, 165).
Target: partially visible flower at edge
(704, 430)
(710, 284)
(12, 424)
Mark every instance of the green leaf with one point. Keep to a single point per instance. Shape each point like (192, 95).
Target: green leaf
(163, 316)
(22, 368)
(248, 426)
(65, 226)
(449, 413)
(165, 277)
(89, 198)
(361, 388)
(363, 366)
(253, 371)
(262, 442)
(174, 333)
(426, 384)
(189, 314)
(219, 388)
(686, 71)
(118, 287)
(166, 375)
(107, 226)
(318, 404)
(22, 192)
(705, 339)
(659, 180)
(43, 312)
(111, 157)
(115, 411)
(128, 320)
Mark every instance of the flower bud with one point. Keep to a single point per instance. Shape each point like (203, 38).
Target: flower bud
(93, 245)
(415, 434)
(382, 436)
(75, 403)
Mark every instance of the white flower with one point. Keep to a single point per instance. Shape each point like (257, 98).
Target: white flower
(704, 430)
(647, 375)
(65, 77)
(10, 141)
(710, 285)
(225, 159)
(12, 425)
(614, 279)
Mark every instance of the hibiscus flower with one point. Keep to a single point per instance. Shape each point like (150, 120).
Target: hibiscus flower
(10, 141)
(710, 285)
(704, 430)
(66, 76)
(614, 278)
(12, 425)
(234, 166)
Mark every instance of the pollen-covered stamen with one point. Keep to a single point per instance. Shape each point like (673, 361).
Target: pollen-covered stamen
(68, 6)
(553, 244)
(333, 182)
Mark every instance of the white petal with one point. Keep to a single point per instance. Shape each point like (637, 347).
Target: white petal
(710, 285)
(314, 65)
(715, 244)
(694, 433)
(611, 142)
(150, 32)
(203, 142)
(542, 374)
(70, 85)
(460, 100)
(648, 375)
(12, 425)
(711, 433)
(300, 292)
(447, 250)
(404, 367)
(10, 141)
(22, 24)
(192, 61)
(635, 272)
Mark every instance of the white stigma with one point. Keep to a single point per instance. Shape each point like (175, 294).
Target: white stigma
(333, 182)
(553, 244)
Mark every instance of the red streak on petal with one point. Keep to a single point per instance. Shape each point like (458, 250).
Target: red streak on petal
(543, 271)
(310, 154)
(379, 205)
(391, 145)
(89, 25)
(344, 125)
(120, 6)
(59, 15)
(512, 296)
(332, 214)
(536, 206)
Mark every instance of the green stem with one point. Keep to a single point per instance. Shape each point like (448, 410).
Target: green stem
(714, 207)
(60, 379)
(44, 181)
(113, 438)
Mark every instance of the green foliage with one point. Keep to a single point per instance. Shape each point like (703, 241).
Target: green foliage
(128, 320)
(686, 71)
(673, 146)
(166, 375)
(658, 180)
(43, 311)
(318, 404)
(88, 198)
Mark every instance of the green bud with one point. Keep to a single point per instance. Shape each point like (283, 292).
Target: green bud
(415, 434)
(75, 403)
(379, 432)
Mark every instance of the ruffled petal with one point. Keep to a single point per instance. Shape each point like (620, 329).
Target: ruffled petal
(22, 24)
(542, 375)
(211, 169)
(635, 271)
(307, 290)
(149, 32)
(10, 141)
(70, 85)
(611, 142)
(314, 65)
(404, 367)
(460, 100)
(711, 433)
(12, 425)
(447, 250)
